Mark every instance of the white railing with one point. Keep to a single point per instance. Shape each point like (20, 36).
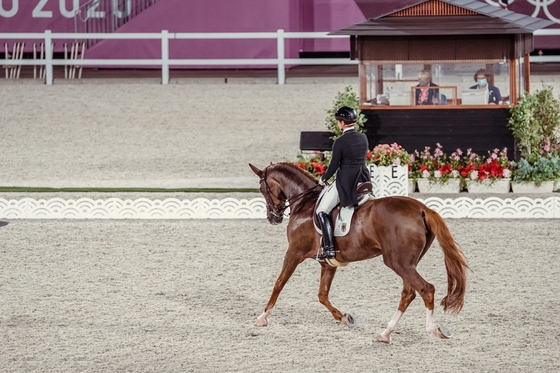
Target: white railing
(164, 36)
(281, 61)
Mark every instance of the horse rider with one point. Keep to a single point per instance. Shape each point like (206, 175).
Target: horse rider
(349, 159)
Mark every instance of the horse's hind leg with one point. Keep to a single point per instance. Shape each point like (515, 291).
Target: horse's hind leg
(290, 264)
(427, 292)
(414, 282)
(407, 296)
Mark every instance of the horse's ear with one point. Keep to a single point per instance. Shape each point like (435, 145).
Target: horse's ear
(258, 172)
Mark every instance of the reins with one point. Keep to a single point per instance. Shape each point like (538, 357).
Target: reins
(302, 194)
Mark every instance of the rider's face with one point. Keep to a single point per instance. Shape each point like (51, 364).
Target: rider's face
(340, 125)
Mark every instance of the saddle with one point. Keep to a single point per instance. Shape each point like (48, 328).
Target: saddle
(341, 222)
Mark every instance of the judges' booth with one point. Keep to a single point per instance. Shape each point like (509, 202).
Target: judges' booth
(419, 72)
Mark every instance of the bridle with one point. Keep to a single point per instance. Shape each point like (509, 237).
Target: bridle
(277, 210)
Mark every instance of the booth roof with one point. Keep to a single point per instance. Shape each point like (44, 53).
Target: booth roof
(486, 20)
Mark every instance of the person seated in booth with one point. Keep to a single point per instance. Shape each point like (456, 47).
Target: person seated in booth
(426, 96)
(481, 78)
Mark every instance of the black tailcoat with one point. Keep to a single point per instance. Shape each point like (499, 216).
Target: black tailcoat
(349, 158)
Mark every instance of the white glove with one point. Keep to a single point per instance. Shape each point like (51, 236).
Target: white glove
(321, 182)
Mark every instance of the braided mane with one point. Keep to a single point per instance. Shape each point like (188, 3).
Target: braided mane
(305, 172)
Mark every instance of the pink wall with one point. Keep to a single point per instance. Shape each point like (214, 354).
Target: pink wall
(33, 16)
(546, 10)
(233, 16)
(195, 16)
(223, 16)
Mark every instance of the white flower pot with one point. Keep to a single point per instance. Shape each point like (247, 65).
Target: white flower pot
(450, 186)
(411, 186)
(531, 187)
(389, 180)
(487, 186)
(556, 187)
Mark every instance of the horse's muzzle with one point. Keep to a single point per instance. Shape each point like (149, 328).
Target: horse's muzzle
(274, 219)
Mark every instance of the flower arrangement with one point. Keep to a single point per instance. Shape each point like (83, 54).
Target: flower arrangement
(535, 121)
(535, 124)
(316, 164)
(537, 168)
(387, 155)
(493, 167)
(436, 167)
(468, 167)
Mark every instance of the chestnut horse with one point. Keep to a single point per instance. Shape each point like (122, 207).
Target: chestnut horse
(401, 229)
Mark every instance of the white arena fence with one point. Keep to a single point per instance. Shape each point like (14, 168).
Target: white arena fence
(231, 208)
(164, 36)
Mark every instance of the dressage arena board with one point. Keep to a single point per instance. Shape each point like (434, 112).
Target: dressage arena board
(182, 295)
(254, 208)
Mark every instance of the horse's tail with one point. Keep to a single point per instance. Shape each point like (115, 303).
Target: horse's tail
(455, 263)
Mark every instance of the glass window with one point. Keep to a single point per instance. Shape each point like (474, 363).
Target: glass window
(436, 84)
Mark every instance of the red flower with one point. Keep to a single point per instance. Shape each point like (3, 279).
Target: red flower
(319, 168)
(492, 169)
(465, 171)
(446, 169)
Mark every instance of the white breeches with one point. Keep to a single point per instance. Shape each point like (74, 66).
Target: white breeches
(330, 199)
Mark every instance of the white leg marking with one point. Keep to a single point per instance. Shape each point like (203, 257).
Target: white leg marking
(386, 335)
(431, 326)
(263, 318)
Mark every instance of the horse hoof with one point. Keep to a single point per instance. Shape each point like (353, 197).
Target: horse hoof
(349, 320)
(262, 320)
(442, 333)
(384, 339)
(261, 323)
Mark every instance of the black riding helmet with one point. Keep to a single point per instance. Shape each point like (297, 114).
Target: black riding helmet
(346, 114)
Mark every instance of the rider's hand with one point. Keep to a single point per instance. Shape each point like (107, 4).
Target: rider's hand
(322, 182)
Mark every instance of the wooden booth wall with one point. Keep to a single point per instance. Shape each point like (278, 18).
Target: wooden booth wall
(442, 48)
(478, 129)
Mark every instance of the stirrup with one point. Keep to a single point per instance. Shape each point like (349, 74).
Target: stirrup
(325, 254)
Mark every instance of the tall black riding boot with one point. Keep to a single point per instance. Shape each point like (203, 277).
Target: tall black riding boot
(328, 237)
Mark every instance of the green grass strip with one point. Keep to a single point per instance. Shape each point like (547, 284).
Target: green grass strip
(125, 190)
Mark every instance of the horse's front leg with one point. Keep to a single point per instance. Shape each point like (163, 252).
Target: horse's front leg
(290, 264)
(327, 276)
